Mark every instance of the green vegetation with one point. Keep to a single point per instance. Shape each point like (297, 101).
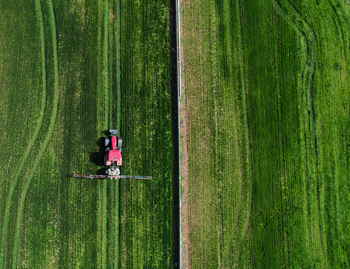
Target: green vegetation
(267, 92)
(146, 207)
(68, 72)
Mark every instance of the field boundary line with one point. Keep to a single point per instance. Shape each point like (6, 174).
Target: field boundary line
(181, 116)
(48, 135)
(33, 139)
(174, 27)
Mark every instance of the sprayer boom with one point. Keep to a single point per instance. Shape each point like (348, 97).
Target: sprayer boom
(111, 177)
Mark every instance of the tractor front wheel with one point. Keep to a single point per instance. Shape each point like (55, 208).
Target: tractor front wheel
(106, 142)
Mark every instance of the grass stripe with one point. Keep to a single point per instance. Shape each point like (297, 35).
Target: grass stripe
(105, 65)
(117, 183)
(34, 137)
(105, 127)
(308, 134)
(48, 135)
(99, 116)
(118, 65)
(246, 121)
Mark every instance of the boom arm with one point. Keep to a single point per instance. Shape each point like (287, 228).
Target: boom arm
(111, 177)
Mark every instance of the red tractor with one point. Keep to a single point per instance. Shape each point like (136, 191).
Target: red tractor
(112, 159)
(113, 156)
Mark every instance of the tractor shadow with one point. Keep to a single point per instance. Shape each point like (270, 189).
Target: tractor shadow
(98, 157)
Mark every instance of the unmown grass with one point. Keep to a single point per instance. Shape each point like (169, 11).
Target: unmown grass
(278, 70)
(146, 207)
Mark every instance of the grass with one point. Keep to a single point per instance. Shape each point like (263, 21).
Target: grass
(35, 135)
(66, 77)
(218, 144)
(50, 128)
(146, 207)
(267, 133)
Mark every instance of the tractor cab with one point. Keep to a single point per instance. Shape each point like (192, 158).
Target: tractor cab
(113, 144)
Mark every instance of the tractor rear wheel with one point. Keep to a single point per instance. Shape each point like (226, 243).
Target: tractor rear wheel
(119, 142)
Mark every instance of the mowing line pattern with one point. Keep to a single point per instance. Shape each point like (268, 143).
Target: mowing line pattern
(52, 21)
(33, 139)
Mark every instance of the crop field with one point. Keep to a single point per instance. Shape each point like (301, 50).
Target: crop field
(266, 105)
(69, 71)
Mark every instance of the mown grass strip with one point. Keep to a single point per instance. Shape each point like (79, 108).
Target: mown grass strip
(33, 139)
(52, 21)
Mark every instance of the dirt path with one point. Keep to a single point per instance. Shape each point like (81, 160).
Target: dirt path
(184, 226)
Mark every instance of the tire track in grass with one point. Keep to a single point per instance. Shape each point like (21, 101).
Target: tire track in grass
(116, 231)
(309, 42)
(302, 35)
(338, 18)
(99, 117)
(105, 127)
(245, 124)
(52, 20)
(33, 139)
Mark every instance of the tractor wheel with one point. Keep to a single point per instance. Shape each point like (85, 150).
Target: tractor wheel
(120, 142)
(106, 141)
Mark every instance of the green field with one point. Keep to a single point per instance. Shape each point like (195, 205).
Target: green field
(68, 72)
(267, 96)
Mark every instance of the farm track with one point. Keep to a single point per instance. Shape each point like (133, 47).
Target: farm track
(49, 132)
(32, 141)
